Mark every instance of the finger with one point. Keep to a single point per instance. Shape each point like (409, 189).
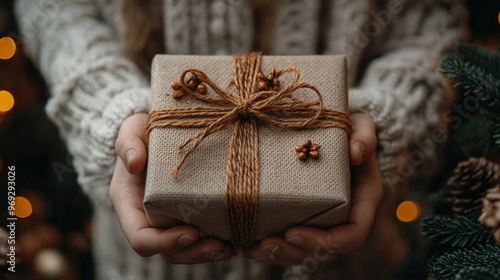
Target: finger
(126, 193)
(129, 145)
(205, 250)
(275, 250)
(317, 241)
(367, 193)
(363, 141)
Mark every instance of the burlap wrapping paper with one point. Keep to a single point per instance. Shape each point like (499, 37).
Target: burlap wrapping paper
(291, 192)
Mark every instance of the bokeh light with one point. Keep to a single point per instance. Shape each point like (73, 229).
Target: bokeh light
(50, 264)
(408, 211)
(7, 48)
(6, 101)
(23, 207)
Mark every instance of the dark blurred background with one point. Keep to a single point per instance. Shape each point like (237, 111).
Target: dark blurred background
(54, 241)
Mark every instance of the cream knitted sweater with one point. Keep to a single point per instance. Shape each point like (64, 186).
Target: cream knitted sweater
(392, 46)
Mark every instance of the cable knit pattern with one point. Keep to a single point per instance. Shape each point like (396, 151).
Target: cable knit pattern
(403, 81)
(111, 14)
(298, 26)
(93, 86)
(199, 28)
(176, 19)
(345, 38)
(208, 26)
(77, 46)
(240, 23)
(218, 28)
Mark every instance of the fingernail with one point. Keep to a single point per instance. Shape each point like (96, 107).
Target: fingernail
(273, 250)
(297, 240)
(214, 256)
(185, 240)
(259, 254)
(129, 157)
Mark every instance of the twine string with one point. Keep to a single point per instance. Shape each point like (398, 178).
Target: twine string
(243, 106)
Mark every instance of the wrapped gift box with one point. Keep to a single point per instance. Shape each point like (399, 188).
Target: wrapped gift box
(312, 192)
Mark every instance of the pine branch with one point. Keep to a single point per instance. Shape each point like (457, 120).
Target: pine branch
(468, 273)
(449, 264)
(472, 79)
(477, 73)
(459, 232)
(480, 57)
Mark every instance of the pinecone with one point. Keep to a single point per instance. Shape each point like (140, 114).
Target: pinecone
(490, 215)
(4, 248)
(469, 183)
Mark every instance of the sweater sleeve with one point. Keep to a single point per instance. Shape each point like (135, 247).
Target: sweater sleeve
(401, 88)
(92, 85)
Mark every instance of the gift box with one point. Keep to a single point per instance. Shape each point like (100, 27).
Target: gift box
(245, 147)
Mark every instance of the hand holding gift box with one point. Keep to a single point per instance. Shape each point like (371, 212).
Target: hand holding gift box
(243, 178)
(182, 244)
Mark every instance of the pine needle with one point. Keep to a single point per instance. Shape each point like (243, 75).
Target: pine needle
(459, 232)
(450, 264)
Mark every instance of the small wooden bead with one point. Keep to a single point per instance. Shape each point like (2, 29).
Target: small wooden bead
(308, 143)
(263, 86)
(272, 73)
(314, 154)
(315, 147)
(202, 88)
(178, 94)
(302, 156)
(276, 82)
(308, 149)
(176, 86)
(192, 84)
(261, 76)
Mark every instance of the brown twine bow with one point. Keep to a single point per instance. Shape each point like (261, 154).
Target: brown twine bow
(243, 109)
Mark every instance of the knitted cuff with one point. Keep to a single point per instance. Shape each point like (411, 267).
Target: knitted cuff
(95, 177)
(88, 108)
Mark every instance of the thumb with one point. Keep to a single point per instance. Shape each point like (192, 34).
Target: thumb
(129, 145)
(363, 141)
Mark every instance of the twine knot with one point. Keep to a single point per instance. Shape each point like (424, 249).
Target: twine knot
(244, 110)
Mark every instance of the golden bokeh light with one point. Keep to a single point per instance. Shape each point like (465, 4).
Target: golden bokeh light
(7, 48)
(50, 264)
(408, 211)
(6, 101)
(23, 207)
